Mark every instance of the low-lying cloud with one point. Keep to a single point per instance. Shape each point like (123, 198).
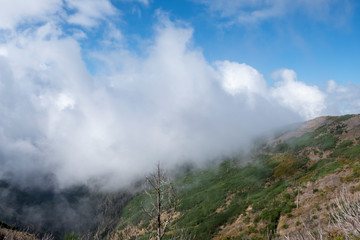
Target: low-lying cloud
(168, 104)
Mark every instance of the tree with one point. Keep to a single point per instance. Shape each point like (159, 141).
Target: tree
(345, 212)
(162, 201)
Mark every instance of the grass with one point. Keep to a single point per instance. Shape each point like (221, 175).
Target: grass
(297, 144)
(324, 138)
(323, 141)
(352, 152)
(201, 201)
(319, 169)
(201, 193)
(345, 144)
(288, 165)
(344, 117)
(263, 184)
(271, 205)
(72, 236)
(326, 142)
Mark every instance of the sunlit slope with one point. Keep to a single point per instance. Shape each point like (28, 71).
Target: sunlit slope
(284, 188)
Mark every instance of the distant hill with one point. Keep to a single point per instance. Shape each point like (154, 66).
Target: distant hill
(287, 190)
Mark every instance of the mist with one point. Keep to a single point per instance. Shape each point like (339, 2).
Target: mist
(104, 117)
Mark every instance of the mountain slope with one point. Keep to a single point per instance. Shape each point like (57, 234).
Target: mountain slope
(7, 232)
(285, 190)
(78, 209)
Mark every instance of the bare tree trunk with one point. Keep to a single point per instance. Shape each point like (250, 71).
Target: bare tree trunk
(158, 193)
(297, 197)
(160, 207)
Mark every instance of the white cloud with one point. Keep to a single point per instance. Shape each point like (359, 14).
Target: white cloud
(254, 11)
(64, 101)
(88, 13)
(79, 35)
(3, 52)
(168, 104)
(242, 79)
(334, 87)
(343, 99)
(15, 12)
(307, 100)
(145, 2)
(84, 13)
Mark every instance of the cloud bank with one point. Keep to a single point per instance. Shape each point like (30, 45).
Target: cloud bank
(168, 104)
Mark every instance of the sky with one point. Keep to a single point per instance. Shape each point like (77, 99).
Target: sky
(98, 91)
(318, 39)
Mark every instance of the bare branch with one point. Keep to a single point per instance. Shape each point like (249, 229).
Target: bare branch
(345, 212)
(163, 201)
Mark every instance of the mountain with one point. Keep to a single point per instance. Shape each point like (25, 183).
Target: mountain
(293, 186)
(301, 183)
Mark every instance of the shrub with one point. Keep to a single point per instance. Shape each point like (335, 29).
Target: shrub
(344, 118)
(288, 166)
(345, 144)
(326, 142)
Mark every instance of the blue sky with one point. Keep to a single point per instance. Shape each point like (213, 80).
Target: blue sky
(319, 39)
(319, 44)
(130, 82)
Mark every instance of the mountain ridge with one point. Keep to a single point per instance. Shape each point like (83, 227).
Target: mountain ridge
(305, 165)
(285, 190)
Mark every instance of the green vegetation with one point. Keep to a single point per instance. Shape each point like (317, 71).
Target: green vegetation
(326, 142)
(324, 138)
(257, 195)
(344, 117)
(262, 191)
(318, 170)
(72, 236)
(4, 225)
(323, 142)
(230, 188)
(288, 165)
(347, 152)
(133, 212)
(200, 202)
(345, 144)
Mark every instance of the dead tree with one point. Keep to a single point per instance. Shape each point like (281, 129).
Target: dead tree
(162, 201)
(345, 212)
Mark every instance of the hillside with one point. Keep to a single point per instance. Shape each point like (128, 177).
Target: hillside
(58, 212)
(7, 233)
(285, 188)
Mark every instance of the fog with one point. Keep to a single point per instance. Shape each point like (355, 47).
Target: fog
(105, 117)
(86, 111)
